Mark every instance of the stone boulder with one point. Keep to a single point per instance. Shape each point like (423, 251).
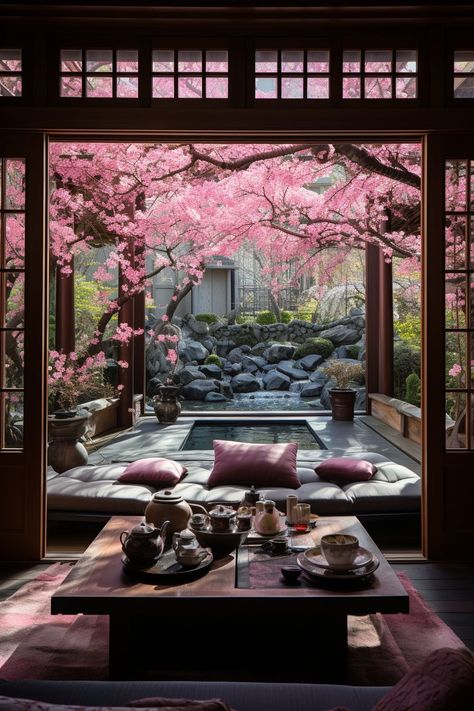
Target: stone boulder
(192, 350)
(309, 362)
(232, 368)
(215, 397)
(341, 335)
(279, 352)
(236, 354)
(311, 390)
(250, 364)
(190, 373)
(200, 328)
(211, 371)
(274, 380)
(198, 389)
(288, 368)
(245, 383)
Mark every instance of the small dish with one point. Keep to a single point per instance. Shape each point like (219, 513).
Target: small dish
(315, 557)
(290, 573)
(315, 573)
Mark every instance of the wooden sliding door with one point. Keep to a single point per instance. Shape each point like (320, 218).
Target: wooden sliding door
(23, 345)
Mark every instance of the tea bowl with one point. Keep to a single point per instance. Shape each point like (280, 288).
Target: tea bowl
(339, 549)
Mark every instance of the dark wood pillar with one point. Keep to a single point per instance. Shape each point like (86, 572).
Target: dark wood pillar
(65, 338)
(126, 351)
(378, 321)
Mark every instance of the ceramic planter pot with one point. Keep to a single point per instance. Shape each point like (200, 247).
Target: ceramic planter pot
(166, 404)
(342, 403)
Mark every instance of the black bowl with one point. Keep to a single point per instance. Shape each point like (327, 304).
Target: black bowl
(290, 573)
(220, 542)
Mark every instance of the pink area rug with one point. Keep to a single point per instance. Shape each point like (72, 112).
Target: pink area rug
(37, 645)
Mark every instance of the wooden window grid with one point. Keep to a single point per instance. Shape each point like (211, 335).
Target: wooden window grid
(463, 70)
(292, 74)
(11, 77)
(190, 74)
(12, 277)
(379, 74)
(99, 74)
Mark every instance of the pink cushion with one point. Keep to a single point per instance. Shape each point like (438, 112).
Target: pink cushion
(444, 681)
(344, 470)
(245, 464)
(153, 471)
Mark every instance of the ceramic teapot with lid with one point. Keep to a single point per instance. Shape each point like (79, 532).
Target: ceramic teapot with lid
(222, 518)
(144, 544)
(168, 506)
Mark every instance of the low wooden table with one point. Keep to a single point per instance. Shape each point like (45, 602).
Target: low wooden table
(197, 629)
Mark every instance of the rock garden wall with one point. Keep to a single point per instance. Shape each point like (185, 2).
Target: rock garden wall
(221, 362)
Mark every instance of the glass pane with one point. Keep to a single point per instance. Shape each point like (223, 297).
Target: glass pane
(190, 88)
(378, 61)
(471, 248)
(127, 60)
(11, 85)
(13, 303)
(455, 185)
(99, 87)
(456, 360)
(463, 87)
(455, 300)
(266, 88)
(15, 184)
(163, 87)
(12, 405)
(318, 87)
(351, 61)
(292, 61)
(10, 60)
(455, 242)
(71, 60)
(406, 87)
(456, 409)
(14, 242)
(163, 60)
(127, 87)
(217, 88)
(190, 60)
(13, 358)
(351, 88)
(70, 87)
(318, 61)
(291, 88)
(99, 60)
(378, 88)
(217, 60)
(464, 61)
(266, 61)
(407, 61)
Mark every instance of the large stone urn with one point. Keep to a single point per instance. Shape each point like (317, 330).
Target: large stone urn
(65, 450)
(166, 404)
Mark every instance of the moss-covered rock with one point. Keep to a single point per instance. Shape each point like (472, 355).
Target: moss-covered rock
(320, 346)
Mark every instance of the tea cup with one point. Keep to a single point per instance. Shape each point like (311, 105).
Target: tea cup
(339, 549)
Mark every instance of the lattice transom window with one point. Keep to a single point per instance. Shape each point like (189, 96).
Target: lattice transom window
(459, 303)
(379, 74)
(463, 86)
(190, 74)
(292, 74)
(11, 83)
(12, 300)
(99, 73)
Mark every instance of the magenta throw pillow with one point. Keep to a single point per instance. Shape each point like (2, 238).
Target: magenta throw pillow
(444, 681)
(153, 471)
(345, 470)
(244, 464)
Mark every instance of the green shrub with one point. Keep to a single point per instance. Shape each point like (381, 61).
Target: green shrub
(213, 359)
(409, 330)
(241, 318)
(207, 318)
(265, 318)
(353, 351)
(406, 360)
(412, 389)
(320, 346)
(286, 316)
(306, 311)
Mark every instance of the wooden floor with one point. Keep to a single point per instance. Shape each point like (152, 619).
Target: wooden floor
(447, 587)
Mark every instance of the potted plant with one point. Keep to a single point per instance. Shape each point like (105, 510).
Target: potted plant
(342, 395)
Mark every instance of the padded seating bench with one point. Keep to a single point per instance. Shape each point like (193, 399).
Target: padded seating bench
(93, 490)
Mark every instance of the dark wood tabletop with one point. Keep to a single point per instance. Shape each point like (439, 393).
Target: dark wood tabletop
(97, 584)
